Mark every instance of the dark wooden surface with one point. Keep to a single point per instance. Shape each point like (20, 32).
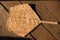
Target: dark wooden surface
(48, 10)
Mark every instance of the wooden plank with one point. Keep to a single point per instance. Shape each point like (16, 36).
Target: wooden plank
(53, 7)
(29, 36)
(43, 12)
(42, 34)
(9, 4)
(46, 15)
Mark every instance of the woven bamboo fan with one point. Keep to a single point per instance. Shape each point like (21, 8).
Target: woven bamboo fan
(22, 19)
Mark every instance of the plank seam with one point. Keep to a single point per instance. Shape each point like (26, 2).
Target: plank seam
(32, 36)
(4, 7)
(49, 31)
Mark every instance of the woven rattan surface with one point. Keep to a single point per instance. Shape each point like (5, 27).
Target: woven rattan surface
(22, 19)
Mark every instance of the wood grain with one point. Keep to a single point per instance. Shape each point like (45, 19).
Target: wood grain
(47, 15)
(54, 8)
(55, 11)
(51, 15)
(29, 36)
(42, 34)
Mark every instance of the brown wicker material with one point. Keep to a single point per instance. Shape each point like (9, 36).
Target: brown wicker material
(22, 19)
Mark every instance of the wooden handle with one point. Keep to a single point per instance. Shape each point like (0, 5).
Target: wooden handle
(49, 22)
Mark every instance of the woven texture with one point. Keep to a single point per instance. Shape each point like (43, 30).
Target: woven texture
(22, 19)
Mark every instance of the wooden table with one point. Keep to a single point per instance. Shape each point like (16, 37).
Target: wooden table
(47, 10)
